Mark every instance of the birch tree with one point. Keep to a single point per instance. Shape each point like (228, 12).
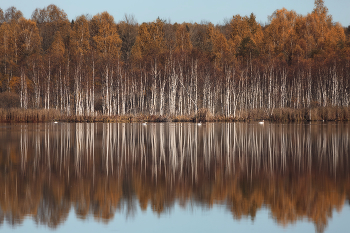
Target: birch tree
(107, 44)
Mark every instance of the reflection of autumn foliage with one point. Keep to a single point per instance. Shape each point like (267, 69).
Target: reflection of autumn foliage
(48, 172)
(48, 196)
(311, 196)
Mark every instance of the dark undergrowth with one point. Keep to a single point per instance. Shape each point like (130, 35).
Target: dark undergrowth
(17, 115)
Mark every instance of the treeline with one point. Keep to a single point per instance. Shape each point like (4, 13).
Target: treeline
(93, 64)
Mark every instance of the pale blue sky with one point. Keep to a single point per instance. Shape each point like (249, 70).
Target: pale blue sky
(182, 10)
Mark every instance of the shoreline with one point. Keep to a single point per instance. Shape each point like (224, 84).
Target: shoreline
(279, 115)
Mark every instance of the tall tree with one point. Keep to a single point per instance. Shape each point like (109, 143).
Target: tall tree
(9, 47)
(150, 39)
(107, 43)
(183, 41)
(2, 18)
(54, 28)
(280, 35)
(29, 56)
(246, 35)
(50, 20)
(12, 15)
(127, 29)
(83, 59)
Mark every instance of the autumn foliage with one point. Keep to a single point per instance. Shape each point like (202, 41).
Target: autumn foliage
(93, 64)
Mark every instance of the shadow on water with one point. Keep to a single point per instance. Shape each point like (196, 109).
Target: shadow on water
(297, 171)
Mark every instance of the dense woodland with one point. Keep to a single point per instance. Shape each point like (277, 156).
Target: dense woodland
(94, 65)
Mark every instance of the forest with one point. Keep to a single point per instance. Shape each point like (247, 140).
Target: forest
(295, 67)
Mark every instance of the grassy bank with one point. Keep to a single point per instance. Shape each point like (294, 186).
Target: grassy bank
(16, 115)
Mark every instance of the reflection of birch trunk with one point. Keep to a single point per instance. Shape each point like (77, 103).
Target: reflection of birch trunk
(162, 154)
(308, 148)
(182, 150)
(37, 149)
(228, 146)
(123, 150)
(47, 145)
(172, 148)
(154, 146)
(79, 138)
(24, 146)
(283, 150)
(195, 154)
(143, 148)
(106, 149)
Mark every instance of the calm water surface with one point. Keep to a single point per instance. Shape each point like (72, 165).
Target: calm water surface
(171, 177)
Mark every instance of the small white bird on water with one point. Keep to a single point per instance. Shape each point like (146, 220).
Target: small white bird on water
(144, 123)
(261, 122)
(199, 123)
(55, 122)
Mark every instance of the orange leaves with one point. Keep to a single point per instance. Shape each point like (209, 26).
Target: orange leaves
(246, 35)
(29, 38)
(220, 46)
(81, 36)
(55, 14)
(320, 9)
(136, 51)
(5, 38)
(8, 42)
(51, 20)
(144, 40)
(150, 40)
(280, 35)
(127, 30)
(183, 41)
(221, 50)
(15, 84)
(107, 40)
(239, 28)
(57, 48)
(2, 18)
(335, 36)
(292, 36)
(156, 32)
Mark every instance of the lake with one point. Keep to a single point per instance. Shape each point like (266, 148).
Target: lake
(172, 177)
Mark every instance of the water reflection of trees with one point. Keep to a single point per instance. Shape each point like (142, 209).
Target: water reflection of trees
(296, 171)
